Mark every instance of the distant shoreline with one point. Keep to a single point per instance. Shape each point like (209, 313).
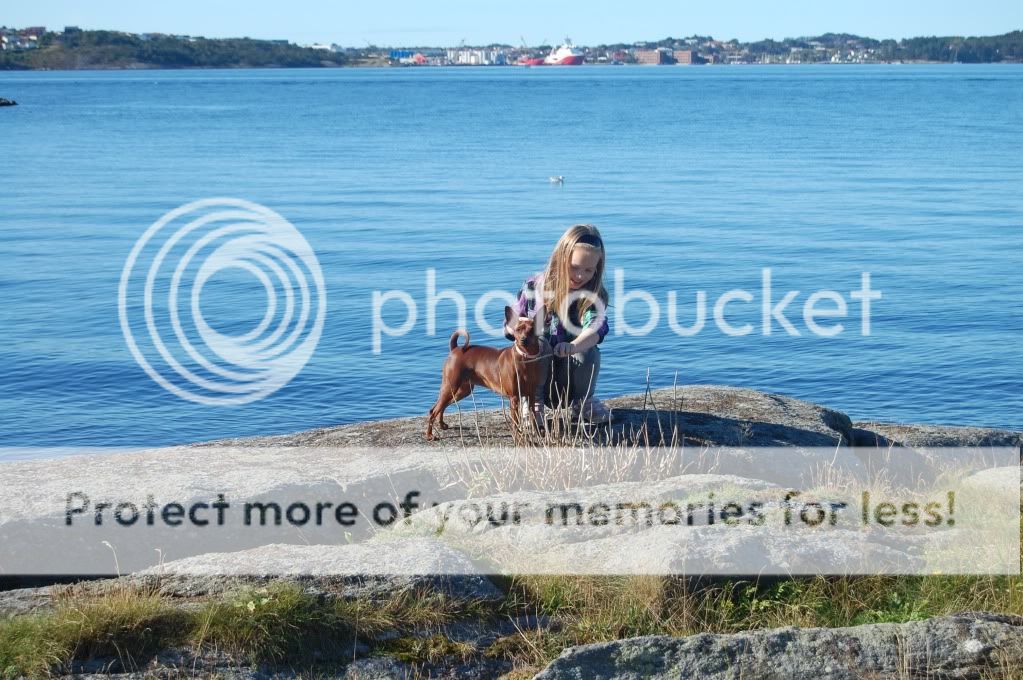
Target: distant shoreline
(35, 48)
(378, 67)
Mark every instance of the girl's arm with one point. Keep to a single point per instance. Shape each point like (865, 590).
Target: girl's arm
(586, 340)
(593, 332)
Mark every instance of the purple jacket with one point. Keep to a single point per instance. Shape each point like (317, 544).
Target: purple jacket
(553, 329)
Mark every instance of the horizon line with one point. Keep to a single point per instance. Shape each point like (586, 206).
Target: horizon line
(513, 44)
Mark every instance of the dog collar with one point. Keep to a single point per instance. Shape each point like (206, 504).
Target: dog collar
(524, 353)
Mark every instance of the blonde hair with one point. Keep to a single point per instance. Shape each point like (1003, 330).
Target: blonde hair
(556, 277)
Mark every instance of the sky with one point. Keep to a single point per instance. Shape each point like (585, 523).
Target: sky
(586, 22)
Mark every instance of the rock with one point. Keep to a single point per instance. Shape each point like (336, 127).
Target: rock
(910, 454)
(7, 102)
(372, 570)
(916, 454)
(721, 551)
(702, 414)
(173, 662)
(35, 496)
(36, 489)
(25, 601)
(520, 518)
(734, 416)
(775, 439)
(160, 673)
(1000, 480)
(898, 465)
(644, 528)
(919, 436)
(378, 668)
(957, 646)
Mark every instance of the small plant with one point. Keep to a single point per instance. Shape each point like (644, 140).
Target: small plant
(129, 622)
(278, 622)
(429, 649)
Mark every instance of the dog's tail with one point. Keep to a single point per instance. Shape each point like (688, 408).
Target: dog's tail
(453, 343)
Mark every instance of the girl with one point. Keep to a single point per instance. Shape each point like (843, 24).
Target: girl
(569, 303)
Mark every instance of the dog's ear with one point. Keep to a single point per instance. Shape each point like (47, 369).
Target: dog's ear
(508, 314)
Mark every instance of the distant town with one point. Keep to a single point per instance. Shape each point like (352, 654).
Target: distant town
(36, 47)
(830, 48)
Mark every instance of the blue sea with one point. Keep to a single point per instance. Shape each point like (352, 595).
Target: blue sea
(699, 178)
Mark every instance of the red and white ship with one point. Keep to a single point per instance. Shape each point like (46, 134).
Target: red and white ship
(566, 55)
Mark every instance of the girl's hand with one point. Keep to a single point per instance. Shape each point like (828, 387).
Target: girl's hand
(564, 349)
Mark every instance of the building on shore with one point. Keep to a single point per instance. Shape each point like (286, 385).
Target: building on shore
(21, 38)
(662, 55)
(688, 57)
(476, 57)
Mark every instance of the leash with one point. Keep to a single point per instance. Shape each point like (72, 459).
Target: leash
(529, 358)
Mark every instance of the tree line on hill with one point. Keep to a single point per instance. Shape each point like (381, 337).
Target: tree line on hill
(76, 49)
(982, 49)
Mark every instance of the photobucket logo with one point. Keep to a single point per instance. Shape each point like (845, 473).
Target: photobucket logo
(774, 310)
(175, 343)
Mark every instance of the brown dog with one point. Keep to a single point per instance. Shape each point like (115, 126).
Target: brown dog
(513, 371)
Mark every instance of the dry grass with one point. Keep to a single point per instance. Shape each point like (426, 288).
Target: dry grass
(130, 624)
(430, 649)
(283, 624)
(601, 609)
(570, 453)
(279, 624)
(589, 609)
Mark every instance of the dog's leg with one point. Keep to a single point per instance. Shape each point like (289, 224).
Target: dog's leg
(448, 396)
(537, 421)
(434, 411)
(461, 393)
(443, 401)
(516, 418)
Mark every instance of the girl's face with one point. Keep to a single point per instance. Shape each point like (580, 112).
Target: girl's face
(582, 266)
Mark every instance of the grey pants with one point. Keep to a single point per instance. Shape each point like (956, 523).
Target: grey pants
(574, 376)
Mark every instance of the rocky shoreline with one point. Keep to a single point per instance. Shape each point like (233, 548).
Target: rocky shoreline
(717, 415)
(700, 417)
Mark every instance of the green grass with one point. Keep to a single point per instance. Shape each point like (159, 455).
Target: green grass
(279, 624)
(600, 609)
(283, 624)
(128, 624)
(425, 649)
(271, 625)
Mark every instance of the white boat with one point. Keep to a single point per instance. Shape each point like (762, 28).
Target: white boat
(566, 55)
